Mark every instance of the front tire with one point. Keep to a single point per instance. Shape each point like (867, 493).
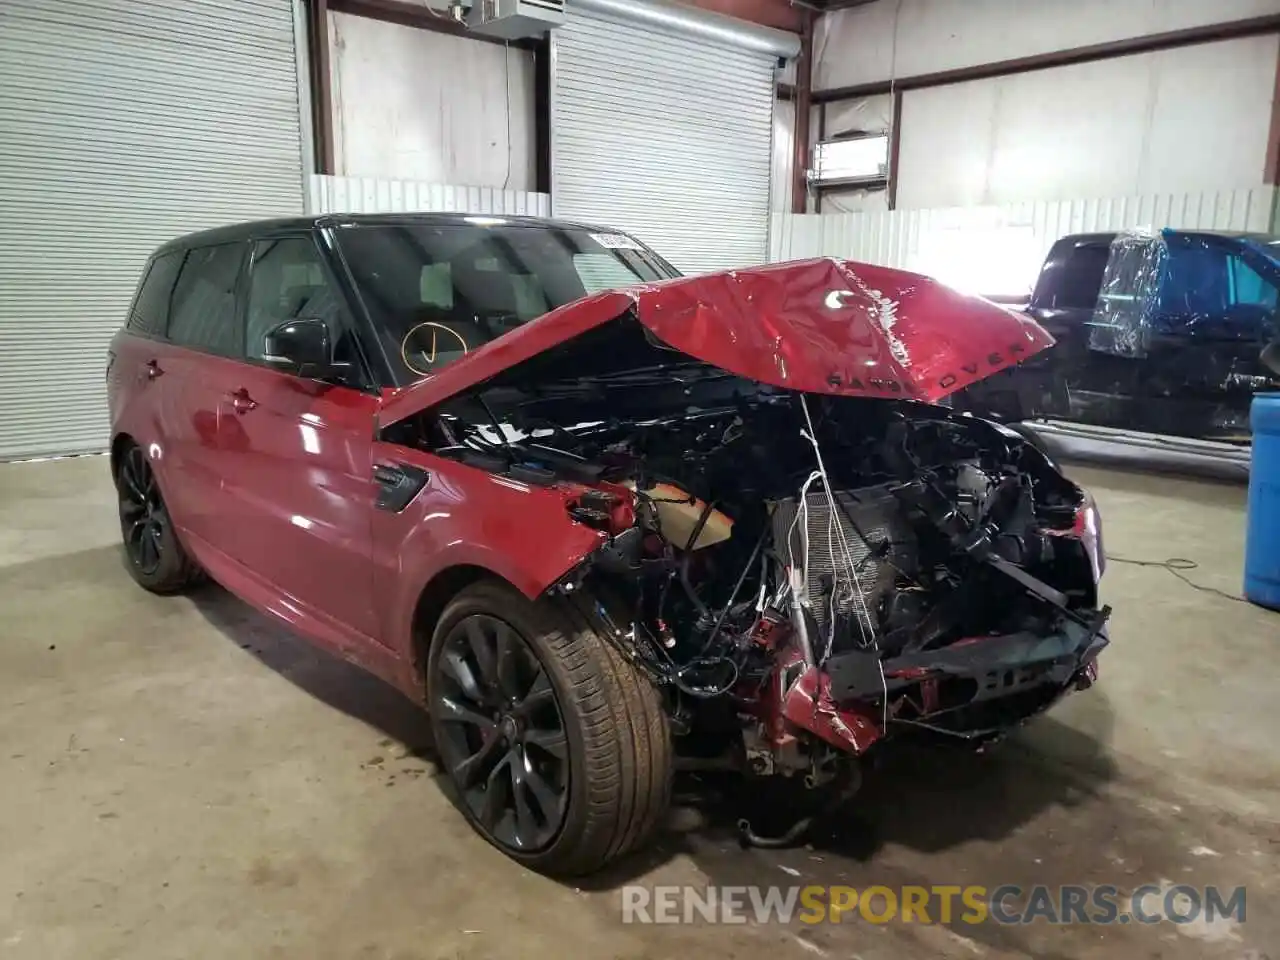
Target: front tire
(557, 749)
(153, 554)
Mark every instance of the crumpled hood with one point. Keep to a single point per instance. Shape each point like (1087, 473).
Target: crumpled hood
(817, 326)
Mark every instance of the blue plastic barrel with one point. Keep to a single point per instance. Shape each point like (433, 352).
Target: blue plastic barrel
(1262, 534)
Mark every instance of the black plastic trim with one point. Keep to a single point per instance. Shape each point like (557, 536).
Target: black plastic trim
(398, 484)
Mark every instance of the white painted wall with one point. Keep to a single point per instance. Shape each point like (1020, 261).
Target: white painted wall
(902, 38)
(865, 115)
(1177, 121)
(413, 104)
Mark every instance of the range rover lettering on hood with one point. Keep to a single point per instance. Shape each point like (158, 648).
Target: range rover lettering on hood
(817, 326)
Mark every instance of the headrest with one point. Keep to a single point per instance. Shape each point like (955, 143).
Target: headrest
(487, 292)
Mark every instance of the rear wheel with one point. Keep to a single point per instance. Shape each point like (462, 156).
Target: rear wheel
(155, 557)
(557, 749)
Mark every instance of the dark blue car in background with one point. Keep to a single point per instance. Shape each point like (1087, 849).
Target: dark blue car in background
(1157, 333)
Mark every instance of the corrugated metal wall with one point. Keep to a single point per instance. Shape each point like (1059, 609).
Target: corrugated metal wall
(370, 195)
(663, 135)
(123, 124)
(1011, 240)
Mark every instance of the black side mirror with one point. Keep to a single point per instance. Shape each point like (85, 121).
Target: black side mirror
(1271, 357)
(300, 346)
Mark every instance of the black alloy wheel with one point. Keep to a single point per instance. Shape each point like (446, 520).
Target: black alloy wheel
(501, 733)
(558, 749)
(156, 558)
(143, 518)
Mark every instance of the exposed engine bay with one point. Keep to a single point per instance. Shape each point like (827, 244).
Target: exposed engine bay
(802, 573)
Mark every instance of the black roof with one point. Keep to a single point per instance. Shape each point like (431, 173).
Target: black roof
(1078, 239)
(232, 233)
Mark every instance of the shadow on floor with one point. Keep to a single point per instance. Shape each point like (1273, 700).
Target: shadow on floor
(927, 799)
(345, 687)
(927, 816)
(930, 800)
(332, 681)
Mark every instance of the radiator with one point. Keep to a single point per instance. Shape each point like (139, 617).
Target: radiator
(870, 519)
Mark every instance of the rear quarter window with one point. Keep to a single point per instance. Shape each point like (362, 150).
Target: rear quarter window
(150, 314)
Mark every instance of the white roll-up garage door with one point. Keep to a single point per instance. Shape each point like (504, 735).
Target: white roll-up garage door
(123, 123)
(664, 135)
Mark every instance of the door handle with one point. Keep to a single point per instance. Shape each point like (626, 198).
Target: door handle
(241, 401)
(154, 369)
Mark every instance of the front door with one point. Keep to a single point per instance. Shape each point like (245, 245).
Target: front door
(298, 479)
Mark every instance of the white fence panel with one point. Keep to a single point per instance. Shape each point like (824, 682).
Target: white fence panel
(998, 250)
(372, 195)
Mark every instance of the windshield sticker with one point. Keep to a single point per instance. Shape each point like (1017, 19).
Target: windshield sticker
(615, 241)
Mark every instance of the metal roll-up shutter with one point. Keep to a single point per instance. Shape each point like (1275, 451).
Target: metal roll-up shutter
(666, 136)
(123, 123)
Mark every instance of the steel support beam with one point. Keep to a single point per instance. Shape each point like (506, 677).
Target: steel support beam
(1171, 40)
(800, 144)
(321, 84)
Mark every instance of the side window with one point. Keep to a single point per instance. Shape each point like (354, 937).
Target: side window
(602, 271)
(1197, 280)
(204, 300)
(531, 299)
(1080, 277)
(288, 282)
(1248, 287)
(435, 285)
(150, 313)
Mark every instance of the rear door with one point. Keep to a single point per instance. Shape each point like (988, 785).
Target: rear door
(136, 387)
(195, 370)
(296, 452)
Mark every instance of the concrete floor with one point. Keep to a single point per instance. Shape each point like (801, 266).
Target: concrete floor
(179, 778)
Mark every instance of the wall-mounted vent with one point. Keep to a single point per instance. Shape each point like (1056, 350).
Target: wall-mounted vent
(515, 19)
(859, 160)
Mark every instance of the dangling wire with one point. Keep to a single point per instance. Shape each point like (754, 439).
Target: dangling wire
(836, 531)
(835, 535)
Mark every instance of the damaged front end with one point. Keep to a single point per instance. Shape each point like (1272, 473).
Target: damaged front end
(803, 573)
(925, 573)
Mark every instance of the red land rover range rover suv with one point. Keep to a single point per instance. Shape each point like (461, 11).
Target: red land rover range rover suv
(594, 515)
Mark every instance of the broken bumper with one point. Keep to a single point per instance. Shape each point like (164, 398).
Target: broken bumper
(973, 690)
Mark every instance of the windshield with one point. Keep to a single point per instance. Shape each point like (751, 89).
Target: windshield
(437, 291)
